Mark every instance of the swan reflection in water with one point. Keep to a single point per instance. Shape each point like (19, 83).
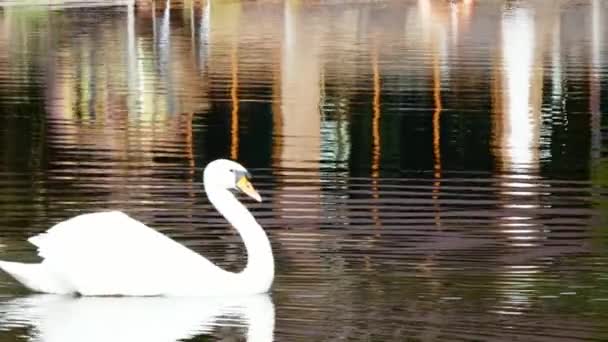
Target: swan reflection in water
(67, 318)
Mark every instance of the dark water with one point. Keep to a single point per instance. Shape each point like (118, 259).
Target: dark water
(432, 170)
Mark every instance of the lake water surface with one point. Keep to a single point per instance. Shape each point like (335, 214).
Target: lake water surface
(432, 170)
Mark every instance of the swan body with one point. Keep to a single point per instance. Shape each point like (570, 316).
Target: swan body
(112, 254)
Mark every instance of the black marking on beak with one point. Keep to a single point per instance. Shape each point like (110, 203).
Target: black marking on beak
(238, 174)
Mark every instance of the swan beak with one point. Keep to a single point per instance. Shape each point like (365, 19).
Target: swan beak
(244, 185)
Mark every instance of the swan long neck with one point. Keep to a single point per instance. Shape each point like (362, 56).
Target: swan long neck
(259, 271)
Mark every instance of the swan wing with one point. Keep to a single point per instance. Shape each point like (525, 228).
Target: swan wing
(110, 253)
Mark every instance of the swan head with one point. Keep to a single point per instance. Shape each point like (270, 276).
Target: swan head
(229, 175)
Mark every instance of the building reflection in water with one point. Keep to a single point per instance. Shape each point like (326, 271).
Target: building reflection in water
(180, 64)
(104, 101)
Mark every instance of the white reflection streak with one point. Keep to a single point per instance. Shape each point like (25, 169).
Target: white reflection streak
(204, 36)
(300, 97)
(67, 319)
(519, 141)
(556, 63)
(164, 58)
(134, 85)
(547, 120)
(596, 64)
(517, 287)
(596, 28)
(520, 146)
(518, 48)
(454, 9)
(335, 143)
(165, 27)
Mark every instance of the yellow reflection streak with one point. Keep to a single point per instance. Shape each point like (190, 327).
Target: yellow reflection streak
(234, 115)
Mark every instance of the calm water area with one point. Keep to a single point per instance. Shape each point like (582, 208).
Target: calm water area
(431, 170)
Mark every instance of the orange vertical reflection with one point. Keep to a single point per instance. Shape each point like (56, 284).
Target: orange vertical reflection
(436, 121)
(376, 117)
(189, 142)
(436, 136)
(375, 134)
(234, 115)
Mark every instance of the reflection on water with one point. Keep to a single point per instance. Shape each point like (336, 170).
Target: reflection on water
(432, 169)
(64, 318)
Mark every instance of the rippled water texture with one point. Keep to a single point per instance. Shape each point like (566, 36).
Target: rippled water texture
(433, 170)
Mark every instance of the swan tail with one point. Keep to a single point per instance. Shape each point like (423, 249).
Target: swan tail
(35, 277)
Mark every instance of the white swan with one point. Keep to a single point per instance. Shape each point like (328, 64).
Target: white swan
(109, 253)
